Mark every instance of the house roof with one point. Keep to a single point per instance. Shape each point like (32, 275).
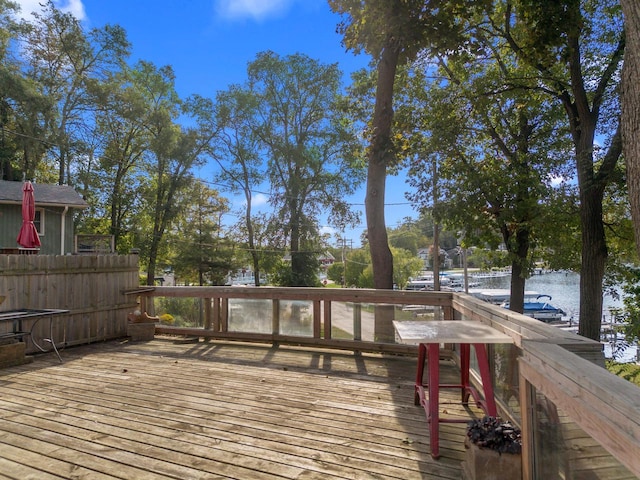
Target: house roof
(45, 195)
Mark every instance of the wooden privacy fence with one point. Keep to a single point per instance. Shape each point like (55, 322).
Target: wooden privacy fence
(89, 286)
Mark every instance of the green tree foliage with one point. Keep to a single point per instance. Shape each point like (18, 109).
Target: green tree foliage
(236, 150)
(171, 154)
(407, 236)
(358, 272)
(357, 262)
(308, 146)
(497, 151)
(335, 272)
(122, 111)
(22, 106)
(576, 47)
(200, 254)
(64, 60)
(393, 32)
(306, 273)
(406, 265)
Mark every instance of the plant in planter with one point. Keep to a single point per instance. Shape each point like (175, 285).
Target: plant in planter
(493, 448)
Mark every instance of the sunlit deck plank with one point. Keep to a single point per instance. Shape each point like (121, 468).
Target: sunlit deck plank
(216, 410)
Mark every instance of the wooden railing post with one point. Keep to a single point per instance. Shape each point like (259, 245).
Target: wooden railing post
(216, 314)
(327, 319)
(317, 318)
(224, 315)
(357, 321)
(275, 316)
(207, 313)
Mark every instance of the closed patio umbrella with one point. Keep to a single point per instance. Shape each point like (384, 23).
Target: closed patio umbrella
(28, 236)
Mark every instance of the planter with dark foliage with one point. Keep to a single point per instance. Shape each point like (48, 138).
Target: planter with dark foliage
(493, 450)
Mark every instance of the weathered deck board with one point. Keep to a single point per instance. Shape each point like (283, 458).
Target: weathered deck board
(164, 409)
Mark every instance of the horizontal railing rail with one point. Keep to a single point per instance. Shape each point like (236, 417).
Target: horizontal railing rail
(215, 322)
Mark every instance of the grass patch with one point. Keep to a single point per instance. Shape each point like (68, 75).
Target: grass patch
(628, 371)
(337, 334)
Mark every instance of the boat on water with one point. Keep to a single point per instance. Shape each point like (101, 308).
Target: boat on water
(498, 296)
(452, 282)
(426, 282)
(486, 275)
(536, 305)
(541, 309)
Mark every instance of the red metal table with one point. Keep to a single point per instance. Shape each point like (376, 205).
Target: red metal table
(428, 335)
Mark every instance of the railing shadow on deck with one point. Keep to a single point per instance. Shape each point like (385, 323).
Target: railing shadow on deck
(579, 420)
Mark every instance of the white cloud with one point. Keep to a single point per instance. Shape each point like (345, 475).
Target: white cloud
(327, 230)
(255, 9)
(259, 199)
(26, 7)
(75, 7)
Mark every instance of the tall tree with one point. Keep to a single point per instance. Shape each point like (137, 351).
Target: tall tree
(63, 59)
(171, 153)
(392, 32)
(236, 149)
(23, 107)
(577, 48)
(498, 149)
(120, 112)
(308, 147)
(200, 252)
(631, 108)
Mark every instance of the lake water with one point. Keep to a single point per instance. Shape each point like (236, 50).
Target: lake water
(562, 287)
(564, 290)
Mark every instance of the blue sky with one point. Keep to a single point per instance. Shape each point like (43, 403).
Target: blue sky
(210, 42)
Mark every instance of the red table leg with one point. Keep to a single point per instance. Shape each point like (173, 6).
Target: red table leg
(433, 361)
(419, 390)
(431, 400)
(490, 407)
(465, 358)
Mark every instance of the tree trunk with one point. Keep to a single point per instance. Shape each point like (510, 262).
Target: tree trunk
(594, 257)
(516, 295)
(583, 119)
(380, 155)
(296, 256)
(594, 245)
(251, 239)
(518, 272)
(151, 266)
(631, 108)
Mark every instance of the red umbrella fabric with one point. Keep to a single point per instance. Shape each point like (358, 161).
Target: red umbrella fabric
(28, 236)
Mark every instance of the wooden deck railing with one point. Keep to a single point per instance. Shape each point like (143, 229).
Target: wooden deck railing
(575, 415)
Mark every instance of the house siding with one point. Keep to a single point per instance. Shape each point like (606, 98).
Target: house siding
(11, 221)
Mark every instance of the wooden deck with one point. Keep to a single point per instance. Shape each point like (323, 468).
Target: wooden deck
(169, 409)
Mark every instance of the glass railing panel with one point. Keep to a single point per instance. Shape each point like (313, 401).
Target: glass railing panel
(343, 326)
(371, 322)
(296, 317)
(251, 316)
(506, 378)
(563, 450)
(179, 312)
